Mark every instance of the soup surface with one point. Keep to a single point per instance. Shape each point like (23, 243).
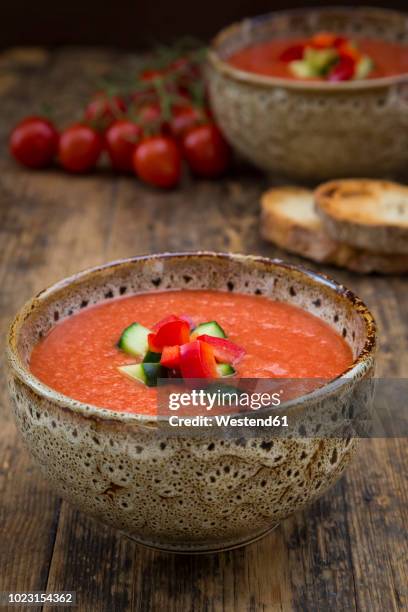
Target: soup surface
(265, 58)
(79, 357)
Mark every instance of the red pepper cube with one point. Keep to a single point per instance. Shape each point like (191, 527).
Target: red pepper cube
(347, 50)
(343, 70)
(153, 346)
(339, 41)
(171, 357)
(293, 53)
(323, 40)
(162, 322)
(224, 350)
(172, 333)
(197, 360)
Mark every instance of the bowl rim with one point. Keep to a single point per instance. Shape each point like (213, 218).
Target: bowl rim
(90, 411)
(265, 81)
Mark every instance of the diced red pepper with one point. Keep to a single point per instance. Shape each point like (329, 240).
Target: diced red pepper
(225, 351)
(323, 40)
(197, 360)
(153, 346)
(342, 71)
(172, 333)
(340, 40)
(347, 50)
(171, 357)
(162, 322)
(188, 319)
(293, 53)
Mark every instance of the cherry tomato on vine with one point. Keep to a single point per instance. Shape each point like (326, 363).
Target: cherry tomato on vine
(103, 110)
(157, 161)
(151, 74)
(34, 142)
(184, 118)
(120, 142)
(149, 114)
(141, 97)
(181, 63)
(206, 151)
(79, 148)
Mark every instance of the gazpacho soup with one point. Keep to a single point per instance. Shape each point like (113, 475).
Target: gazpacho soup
(325, 56)
(112, 354)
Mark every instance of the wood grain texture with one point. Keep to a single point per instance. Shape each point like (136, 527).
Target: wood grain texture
(348, 551)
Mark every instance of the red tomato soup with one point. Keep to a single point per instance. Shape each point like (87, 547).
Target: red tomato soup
(79, 357)
(265, 58)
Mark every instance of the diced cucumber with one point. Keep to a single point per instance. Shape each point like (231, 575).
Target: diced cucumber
(225, 369)
(135, 370)
(315, 63)
(153, 371)
(364, 66)
(302, 70)
(320, 60)
(211, 328)
(151, 357)
(146, 373)
(134, 340)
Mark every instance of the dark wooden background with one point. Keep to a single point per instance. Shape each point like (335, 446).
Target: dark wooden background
(134, 24)
(348, 551)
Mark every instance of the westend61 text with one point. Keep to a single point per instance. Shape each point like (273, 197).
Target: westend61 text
(229, 421)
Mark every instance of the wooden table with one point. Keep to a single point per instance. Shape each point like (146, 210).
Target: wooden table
(348, 551)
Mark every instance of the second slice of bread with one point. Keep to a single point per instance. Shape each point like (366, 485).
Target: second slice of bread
(368, 214)
(289, 220)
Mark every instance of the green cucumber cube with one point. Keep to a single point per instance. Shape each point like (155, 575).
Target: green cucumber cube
(135, 371)
(134, 340)
(211, 328)
(225, 369)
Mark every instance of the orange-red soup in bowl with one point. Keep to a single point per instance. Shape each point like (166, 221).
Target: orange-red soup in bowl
(274, 57)
(80, 357)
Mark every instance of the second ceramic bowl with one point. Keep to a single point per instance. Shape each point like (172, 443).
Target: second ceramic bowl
(312, 130)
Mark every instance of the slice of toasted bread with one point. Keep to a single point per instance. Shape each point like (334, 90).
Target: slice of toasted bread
(365, 213)
(289, 220)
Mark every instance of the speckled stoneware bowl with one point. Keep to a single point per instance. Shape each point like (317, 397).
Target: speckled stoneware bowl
(312, 130)
(195, 493)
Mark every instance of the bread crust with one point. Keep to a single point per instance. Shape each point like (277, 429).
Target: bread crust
(288, 220)
(364, 213)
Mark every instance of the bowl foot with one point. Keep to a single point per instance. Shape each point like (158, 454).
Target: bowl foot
(198, 549)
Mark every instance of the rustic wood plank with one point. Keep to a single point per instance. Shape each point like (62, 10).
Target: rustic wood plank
(44, 239)
(348, 551)
(92, 560)
(28, 517)
(28, 510)
(377, 519)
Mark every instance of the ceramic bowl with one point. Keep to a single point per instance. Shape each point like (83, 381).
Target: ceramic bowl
(309, 130)
(194, 493)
